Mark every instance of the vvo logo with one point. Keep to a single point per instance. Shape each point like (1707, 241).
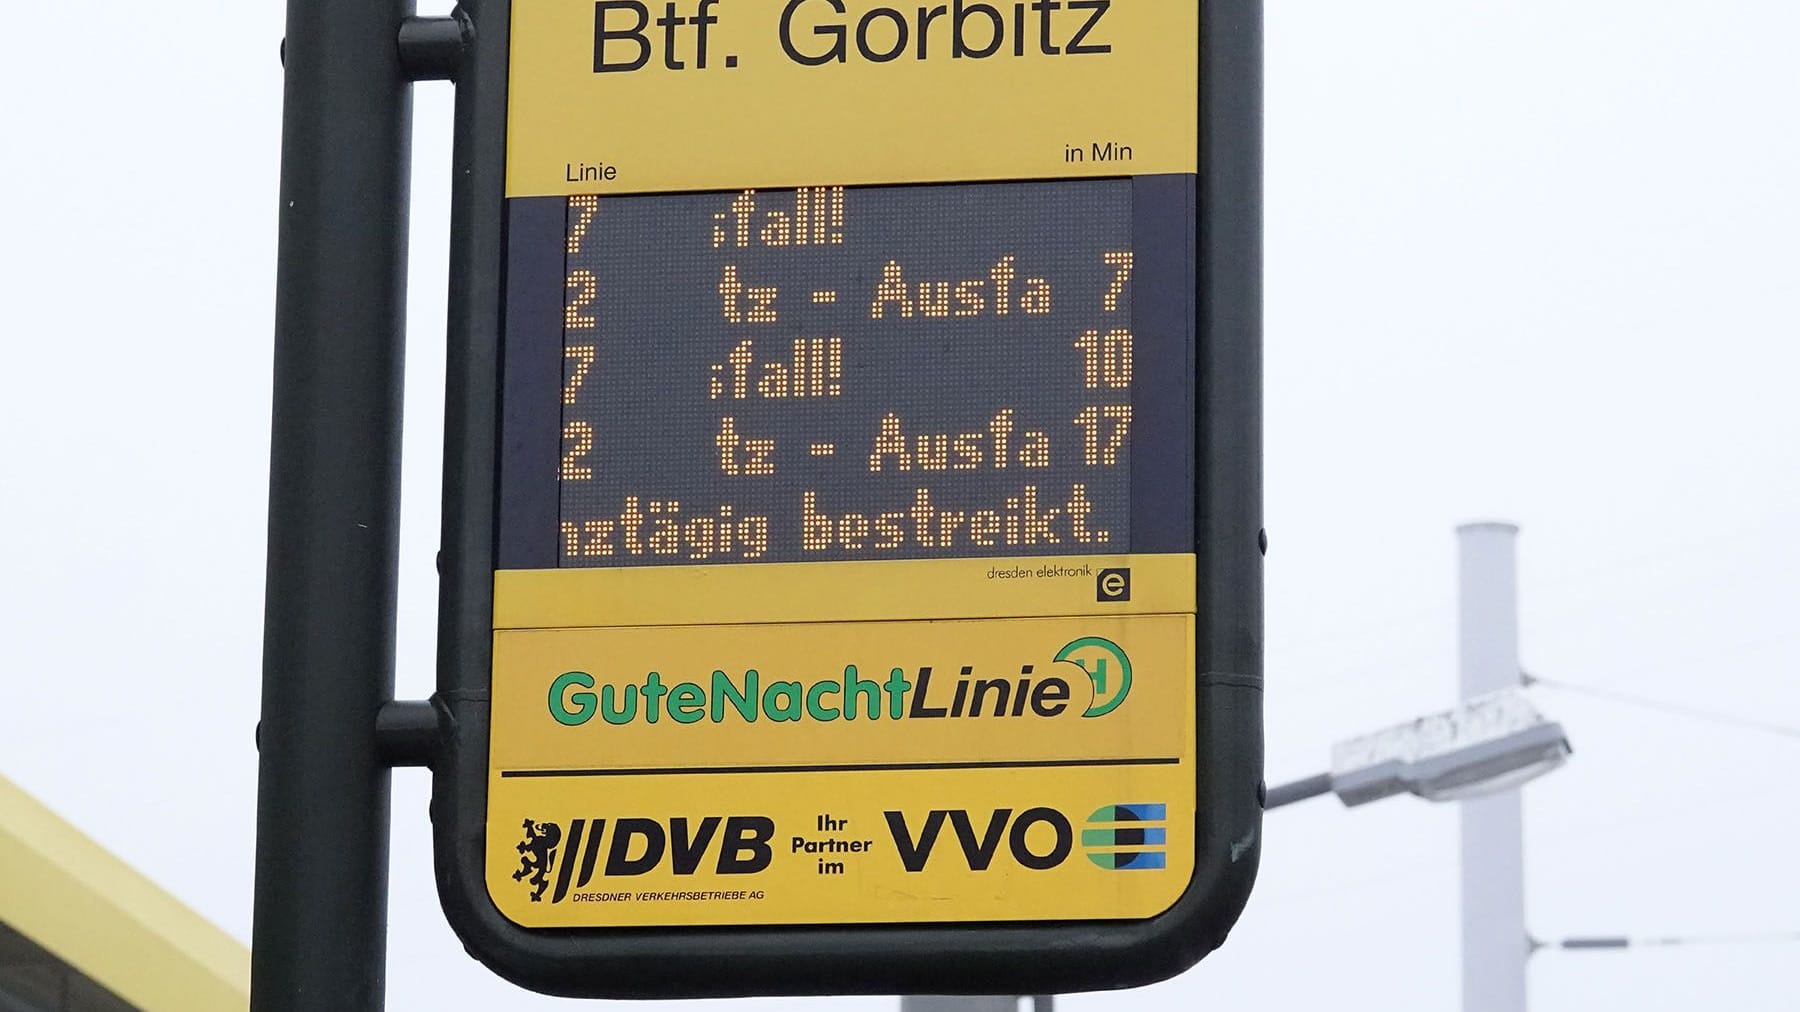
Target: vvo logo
(639, 846)
(1127, 837)
(977, 848)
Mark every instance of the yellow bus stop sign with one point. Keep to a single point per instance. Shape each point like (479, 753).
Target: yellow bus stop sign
(859, 606)
(845, 599)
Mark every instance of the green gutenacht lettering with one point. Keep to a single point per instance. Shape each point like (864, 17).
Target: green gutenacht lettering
(574, 699)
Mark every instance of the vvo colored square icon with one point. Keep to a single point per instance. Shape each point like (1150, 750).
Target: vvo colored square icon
(1127, 837)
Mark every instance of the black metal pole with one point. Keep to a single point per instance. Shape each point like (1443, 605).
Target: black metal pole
(319, 941)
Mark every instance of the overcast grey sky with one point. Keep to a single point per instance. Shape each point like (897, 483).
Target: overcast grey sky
(1530, 260)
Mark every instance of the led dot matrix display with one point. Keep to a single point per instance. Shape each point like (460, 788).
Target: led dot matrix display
(840, 373)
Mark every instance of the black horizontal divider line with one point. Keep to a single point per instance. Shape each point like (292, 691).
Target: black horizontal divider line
(1014, 764)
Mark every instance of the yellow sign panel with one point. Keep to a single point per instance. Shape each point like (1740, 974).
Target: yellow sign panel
(848, 772)
(900, 739)
(631, 96)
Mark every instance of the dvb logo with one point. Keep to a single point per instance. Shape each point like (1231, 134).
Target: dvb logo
(639, 846)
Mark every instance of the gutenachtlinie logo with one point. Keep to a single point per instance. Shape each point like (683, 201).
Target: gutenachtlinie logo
(925, 692)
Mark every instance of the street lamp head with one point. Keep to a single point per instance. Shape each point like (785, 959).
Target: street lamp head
(1494, 766)
(1491, 743)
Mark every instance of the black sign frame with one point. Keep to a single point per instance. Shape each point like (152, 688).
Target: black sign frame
(879, 959)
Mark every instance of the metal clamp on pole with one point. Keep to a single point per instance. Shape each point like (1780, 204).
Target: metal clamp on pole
(407, 732)
(432, 48)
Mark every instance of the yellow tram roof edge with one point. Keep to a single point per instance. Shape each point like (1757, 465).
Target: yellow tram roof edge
(102, 917)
